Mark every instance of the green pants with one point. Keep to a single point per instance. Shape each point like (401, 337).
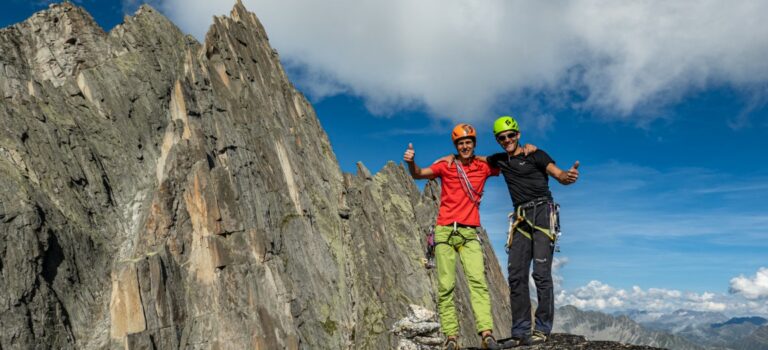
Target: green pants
(471, 253)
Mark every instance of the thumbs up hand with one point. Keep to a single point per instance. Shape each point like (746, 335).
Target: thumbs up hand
(572, 174)
(410, 154)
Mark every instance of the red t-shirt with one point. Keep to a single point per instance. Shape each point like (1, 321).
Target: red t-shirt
(455, 203)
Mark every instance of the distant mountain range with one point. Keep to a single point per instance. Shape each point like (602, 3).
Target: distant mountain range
(681, 320)
(709, 329)
(681, 329)
(600, 326)
(758, 340)
(757, 321)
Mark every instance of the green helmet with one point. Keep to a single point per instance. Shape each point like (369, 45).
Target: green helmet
(503, 124)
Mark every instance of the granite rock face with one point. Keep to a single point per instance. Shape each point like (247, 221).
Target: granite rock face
(159, 193)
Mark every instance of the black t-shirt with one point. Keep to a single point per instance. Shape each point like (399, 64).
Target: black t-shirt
(526, 176)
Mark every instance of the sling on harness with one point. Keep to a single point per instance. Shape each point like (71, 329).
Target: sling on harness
(520, 215)
(474, 196)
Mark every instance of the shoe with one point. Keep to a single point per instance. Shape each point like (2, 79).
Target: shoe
(451, 344)
(489, 342)
(516, 341)
(539, 337)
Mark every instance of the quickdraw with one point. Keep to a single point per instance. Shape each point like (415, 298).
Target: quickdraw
(554, 223)
(429, 261)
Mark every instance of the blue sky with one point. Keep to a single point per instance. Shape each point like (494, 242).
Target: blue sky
(666, 112)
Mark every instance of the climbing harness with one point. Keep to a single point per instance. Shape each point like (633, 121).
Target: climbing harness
(455, 232)
(429, 261)
(520, 215)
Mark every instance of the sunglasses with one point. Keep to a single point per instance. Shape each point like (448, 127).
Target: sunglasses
(504, 137)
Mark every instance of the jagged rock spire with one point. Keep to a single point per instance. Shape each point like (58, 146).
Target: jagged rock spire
(159, 192)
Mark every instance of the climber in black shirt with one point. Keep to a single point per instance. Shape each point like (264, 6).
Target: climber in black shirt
(533, 229)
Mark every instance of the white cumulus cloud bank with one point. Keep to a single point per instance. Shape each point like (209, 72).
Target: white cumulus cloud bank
(466, 59)
(745, 299)
(751, 287)
(600, 296)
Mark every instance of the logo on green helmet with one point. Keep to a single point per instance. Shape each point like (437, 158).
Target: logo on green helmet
(505, 123)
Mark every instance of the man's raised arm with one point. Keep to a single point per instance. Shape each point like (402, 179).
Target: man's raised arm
(564, 177)
(416, 172)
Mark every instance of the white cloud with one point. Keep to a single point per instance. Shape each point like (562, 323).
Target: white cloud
(751, 287)
(466, 60)
(602, 297)
(712, 306)
(557, 265)
(762, 185)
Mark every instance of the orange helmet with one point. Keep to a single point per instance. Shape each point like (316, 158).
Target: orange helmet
(463, 130)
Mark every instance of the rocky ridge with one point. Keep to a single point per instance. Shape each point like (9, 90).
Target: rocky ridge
(156, 192)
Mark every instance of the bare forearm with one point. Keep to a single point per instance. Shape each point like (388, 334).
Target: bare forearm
(416, 171)
(564, 177)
